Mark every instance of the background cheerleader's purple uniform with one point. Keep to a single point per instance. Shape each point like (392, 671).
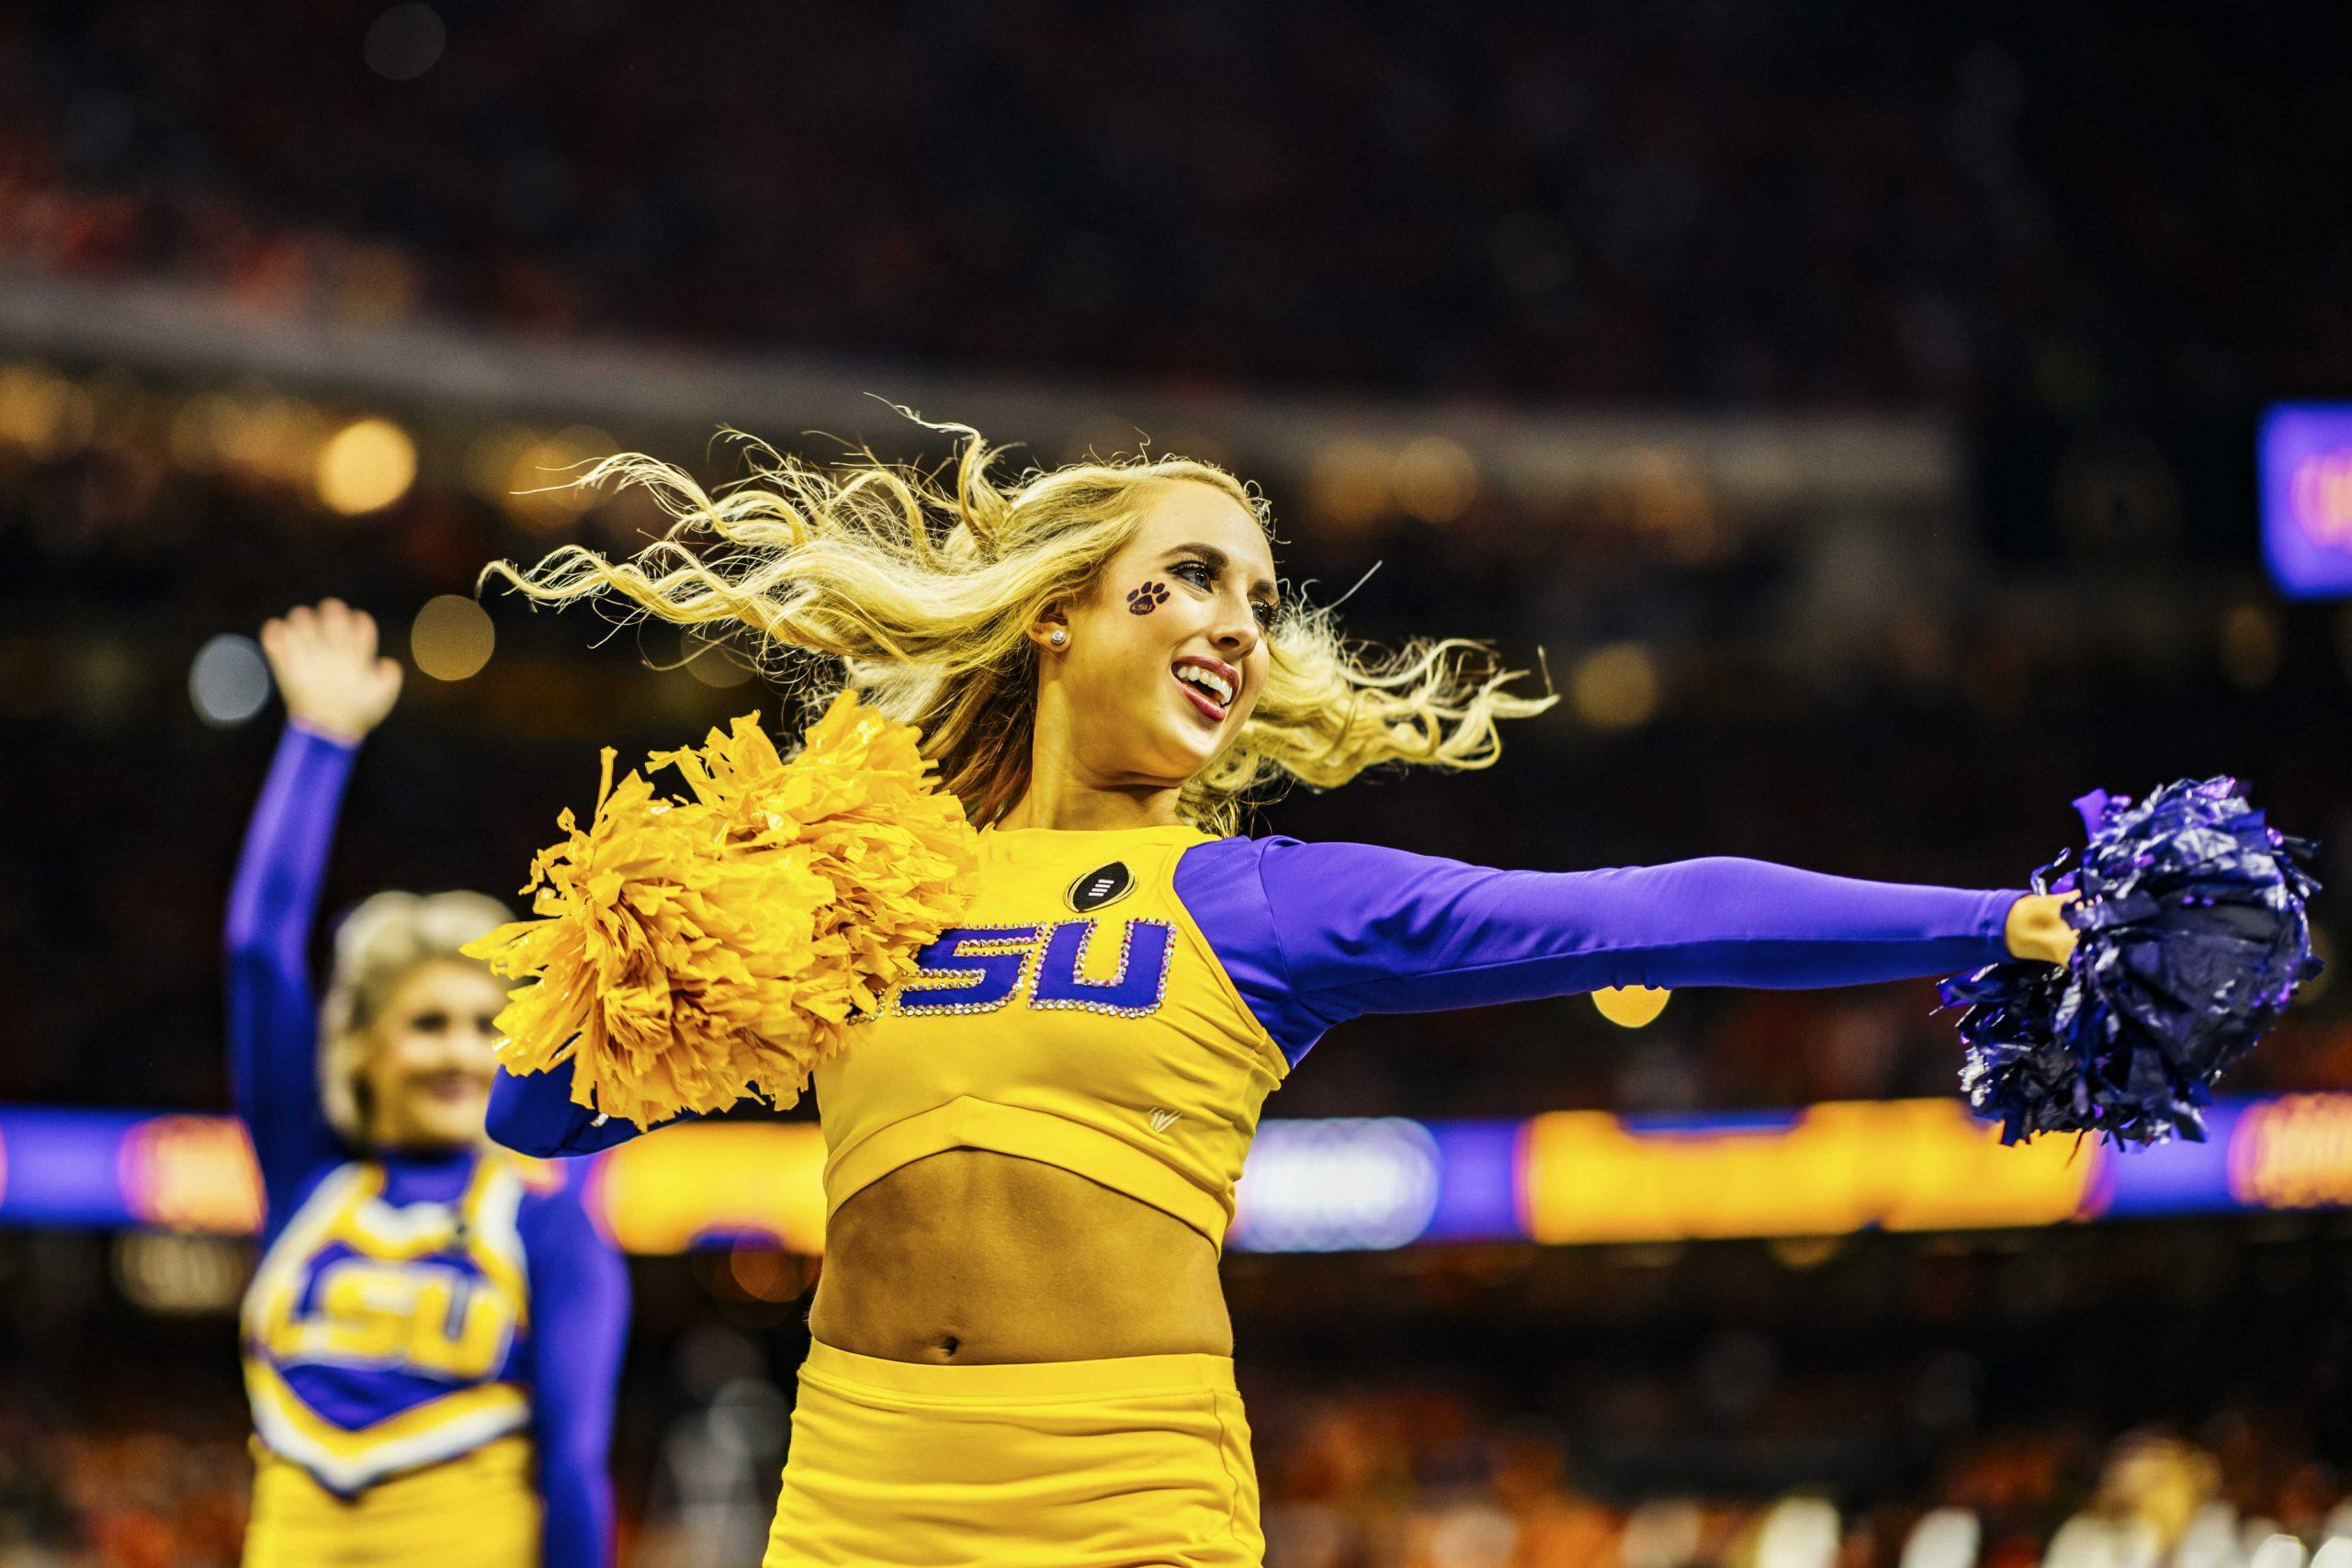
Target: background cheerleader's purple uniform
(1315, 934)
(570, 1356)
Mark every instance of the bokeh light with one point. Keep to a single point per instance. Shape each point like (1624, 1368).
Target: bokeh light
(1662, 496)
(1349, 487)
(767, 1274)
(44, 413)
(405, 42)
(2253, 644)
(228, 680)
(533, 476)
(1631, 1007)
(714, 663)
(273, 438)
(368, 465)
(1615, 687)
(451, 637)
(1798, 1532)
(1339, 1184)
(179, 1276)
(1435, 479)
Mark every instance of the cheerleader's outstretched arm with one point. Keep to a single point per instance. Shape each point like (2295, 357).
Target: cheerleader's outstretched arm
(578, 1326)
(1316, 933)
(273, 1015)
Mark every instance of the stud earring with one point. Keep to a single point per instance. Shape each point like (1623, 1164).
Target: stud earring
(1058, 637)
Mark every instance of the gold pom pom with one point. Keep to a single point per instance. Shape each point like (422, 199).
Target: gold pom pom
(688, 952)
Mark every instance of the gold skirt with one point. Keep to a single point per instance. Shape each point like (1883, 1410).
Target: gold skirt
(479, 1510)
(1142, 1460)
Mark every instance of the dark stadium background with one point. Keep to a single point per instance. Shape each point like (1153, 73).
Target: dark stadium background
(1854, 407)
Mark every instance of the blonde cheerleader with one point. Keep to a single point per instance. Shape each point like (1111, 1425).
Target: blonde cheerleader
(432, 1339)
(1042, 988)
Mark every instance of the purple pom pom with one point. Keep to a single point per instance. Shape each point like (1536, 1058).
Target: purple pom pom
(2191, 940)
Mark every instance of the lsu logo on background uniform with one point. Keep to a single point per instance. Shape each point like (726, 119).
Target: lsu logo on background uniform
(407, 1313)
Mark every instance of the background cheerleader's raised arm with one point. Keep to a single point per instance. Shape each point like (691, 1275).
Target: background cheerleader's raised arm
(434, 1336)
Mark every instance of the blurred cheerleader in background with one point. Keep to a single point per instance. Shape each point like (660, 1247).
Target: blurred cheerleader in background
(1040, 1049)
(434, 1335)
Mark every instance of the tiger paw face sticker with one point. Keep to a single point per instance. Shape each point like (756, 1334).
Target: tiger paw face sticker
(1149, 597)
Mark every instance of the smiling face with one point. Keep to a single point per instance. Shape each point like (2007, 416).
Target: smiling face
(1167, 656)
(428, 1072)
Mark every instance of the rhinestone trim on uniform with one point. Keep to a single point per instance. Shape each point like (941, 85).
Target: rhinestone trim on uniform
(978, 942)
(1118, 976)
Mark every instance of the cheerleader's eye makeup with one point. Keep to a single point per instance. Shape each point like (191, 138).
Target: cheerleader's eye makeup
(1143, 601)
(1203, 574)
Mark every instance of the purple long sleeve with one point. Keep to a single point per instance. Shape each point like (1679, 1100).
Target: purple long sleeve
(532, 1113)
(1314, 934)
(273, 1016)
(578, 1326)
(578, 1285)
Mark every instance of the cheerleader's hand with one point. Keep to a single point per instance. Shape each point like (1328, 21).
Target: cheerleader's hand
(2036, 928)
(328, 669)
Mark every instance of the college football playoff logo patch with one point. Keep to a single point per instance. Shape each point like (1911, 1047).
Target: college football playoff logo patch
(1104, 885)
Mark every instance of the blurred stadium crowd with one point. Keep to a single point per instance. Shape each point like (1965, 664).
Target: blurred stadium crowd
(2090, 244)
(1987, 1435)
(1732, 201)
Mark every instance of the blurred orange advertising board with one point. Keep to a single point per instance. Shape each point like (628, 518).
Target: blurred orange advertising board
(1826, 1170)
(703, 1184)
(1564, 1177)
(2294, 1152)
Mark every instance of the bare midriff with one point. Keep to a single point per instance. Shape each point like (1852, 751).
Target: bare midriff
(968, 1256)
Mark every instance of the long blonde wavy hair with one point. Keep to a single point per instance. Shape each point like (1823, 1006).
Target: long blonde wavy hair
(924, 588)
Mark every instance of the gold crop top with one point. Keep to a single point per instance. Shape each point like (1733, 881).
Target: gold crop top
(1077, 1015)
